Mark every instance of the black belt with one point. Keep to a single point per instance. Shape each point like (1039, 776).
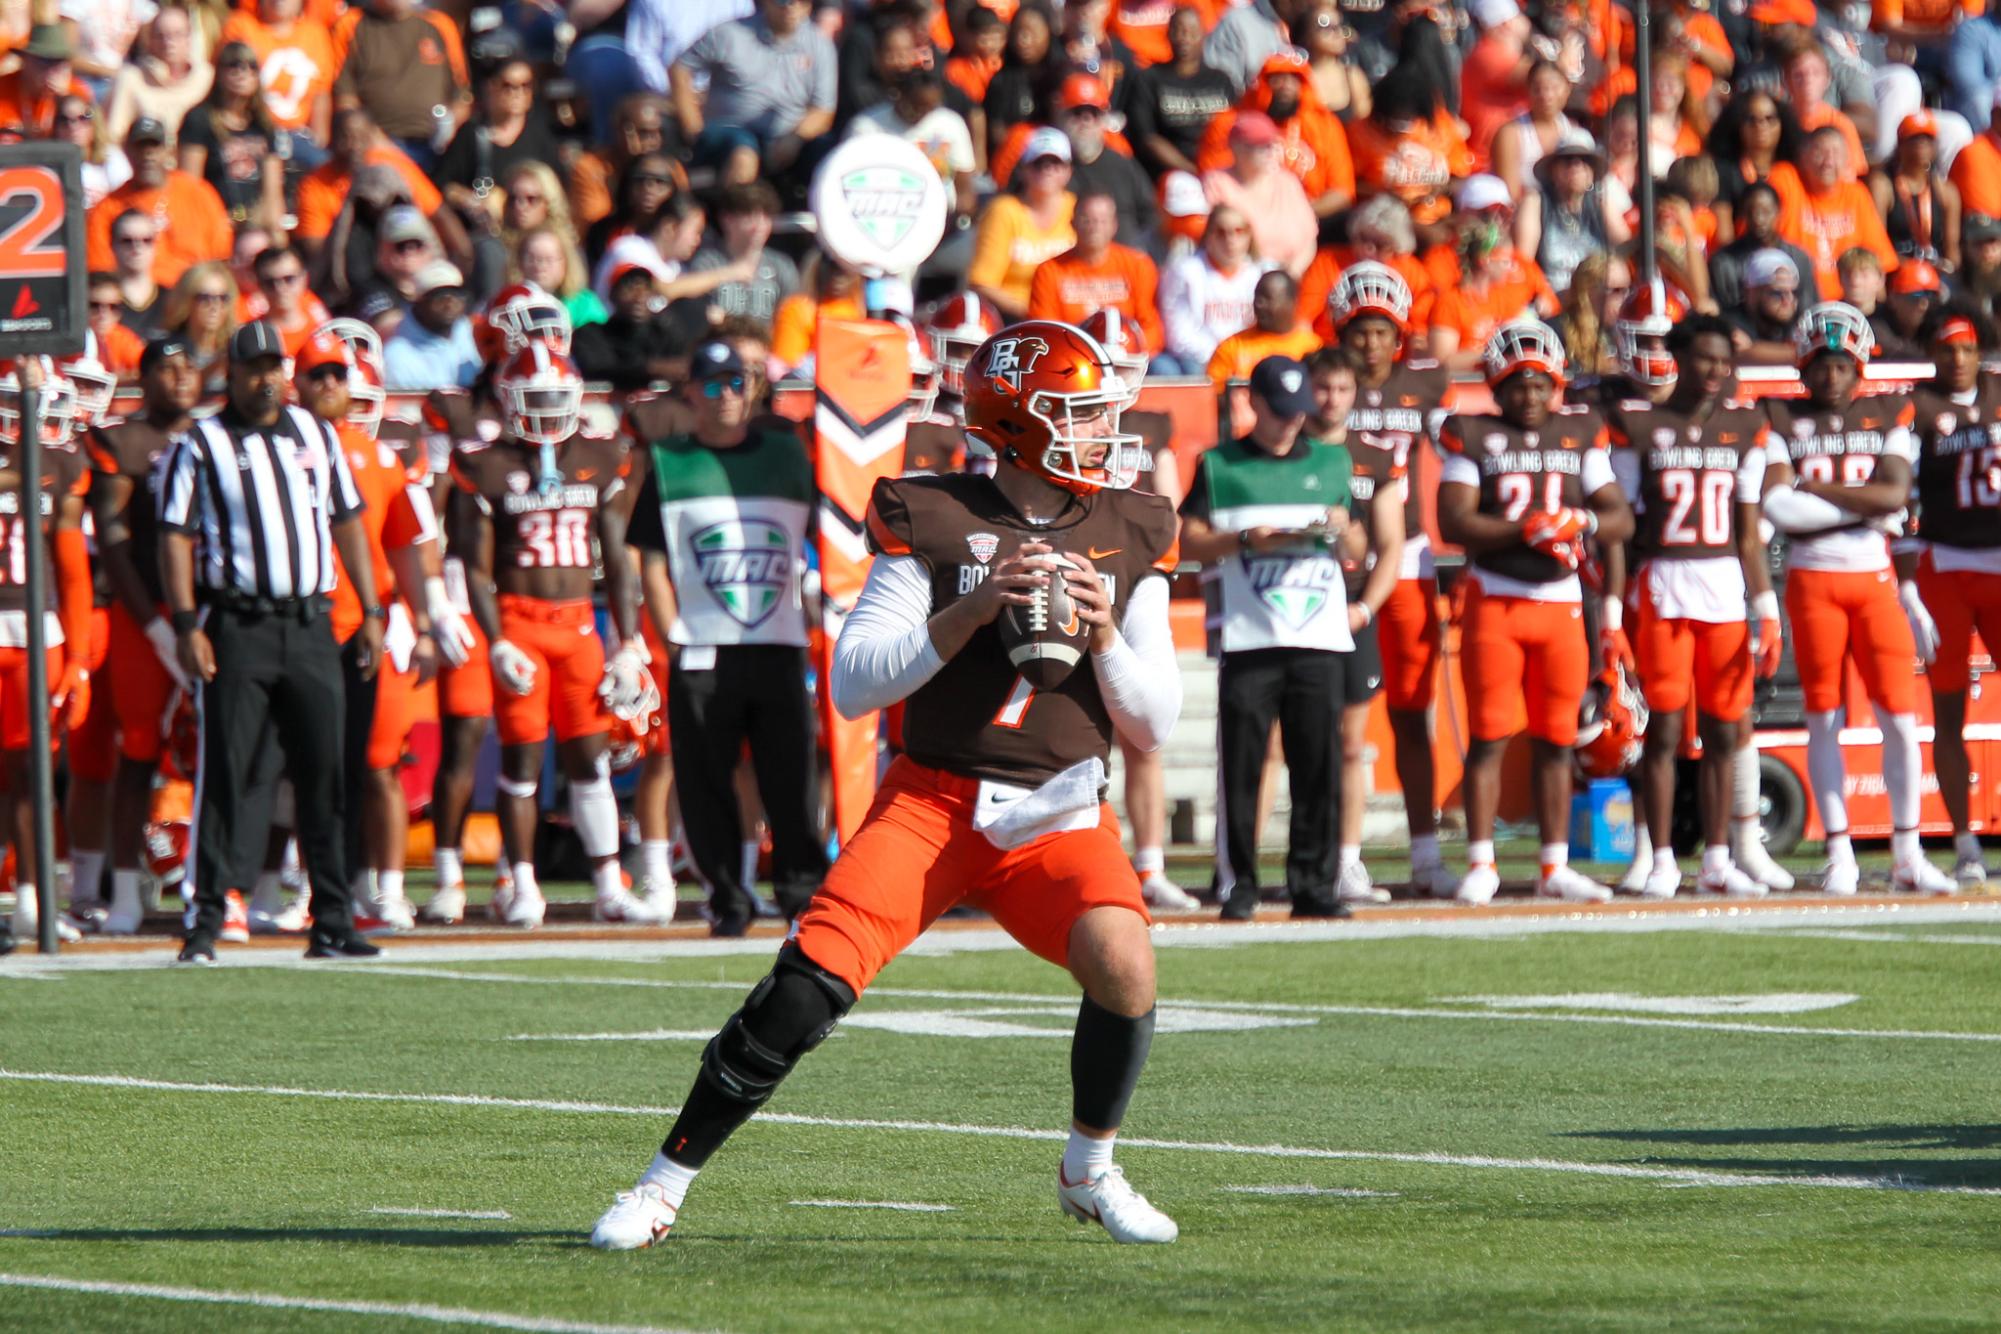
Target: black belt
(245, 604)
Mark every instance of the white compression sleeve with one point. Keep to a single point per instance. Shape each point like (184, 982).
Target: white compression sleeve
(1902, 772)
(1792, 512)
(1826, 770)
(1137, 675)
(885, 651)
(594, 812)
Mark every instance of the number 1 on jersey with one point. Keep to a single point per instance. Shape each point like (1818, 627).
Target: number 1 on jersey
(1016, 708)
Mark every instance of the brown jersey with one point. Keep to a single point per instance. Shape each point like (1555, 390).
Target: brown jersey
(976, 717)
(1841, 447)
(1519, 471)
(1688, 469)
(1959, 446)
(410, 442)
(1388, 421)
(65, 473)
(132, 448)
(1371, 467)
(538, 527)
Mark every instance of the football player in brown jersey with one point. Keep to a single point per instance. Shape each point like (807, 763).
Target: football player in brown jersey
(1398, 404)
(998, 798)
(1957, 560)
(1838, 478)
(149, 675)
(1693, 466)
(1520, 491)
(529, 514)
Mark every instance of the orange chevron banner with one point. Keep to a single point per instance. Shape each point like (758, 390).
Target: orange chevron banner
(861, 384)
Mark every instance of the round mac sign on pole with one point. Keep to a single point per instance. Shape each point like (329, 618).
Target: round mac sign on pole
(880, 205)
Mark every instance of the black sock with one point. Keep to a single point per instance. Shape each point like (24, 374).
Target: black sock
(1106, 1057)
(707, 1119)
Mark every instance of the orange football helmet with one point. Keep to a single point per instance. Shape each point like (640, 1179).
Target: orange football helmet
(1125, 341)
(1524, 345)
(626, 743)
(1611, 725)
(181, 755)
(93, 382)
(1833, 326)
(167, 843)
(542, 395)
(58, 404)
(364, 344)
(1639, 334)
(522, 314)
(955, 329)
(366, 400)
(1370, 288)
(1039, 394)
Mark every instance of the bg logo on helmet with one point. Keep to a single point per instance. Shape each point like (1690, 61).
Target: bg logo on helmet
(1012, 358)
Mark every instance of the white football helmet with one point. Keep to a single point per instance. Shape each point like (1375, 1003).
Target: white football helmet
(542, 395)
(94, 383)
(955, 329)
(364, 344)
(1833, 326)
(58, 405)
(524, 313)
(1524, 345)
(1370, 288)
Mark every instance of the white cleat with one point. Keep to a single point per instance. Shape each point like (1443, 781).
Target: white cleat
(662, 898)
(638, 1218)
(1970, 874)
(398, 913)
(1661, 882)
(502, 900)
(1358, 886)
(1841, 879)
(622, 906)
(1432, 878)
(290, 920)
(1110, 1201)
(1567, 884)
(28, 921)
(1754, 861)
(1921, 877)
(1637, 877)
(1478, 886)
(1162, 893)
(526, 907)
(445, 907)
(1730, 881)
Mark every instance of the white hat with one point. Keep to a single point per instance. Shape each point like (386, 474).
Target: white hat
(1766, 266)
(1046, 142)
(1493, 13)
(1482, 192)
(1182, 195)
(439, 273)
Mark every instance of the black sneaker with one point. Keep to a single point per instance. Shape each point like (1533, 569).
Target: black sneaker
(200, 953)
(7, 942)
(1241, 906)
(347, 946)
(730, 925)
(1314, 906)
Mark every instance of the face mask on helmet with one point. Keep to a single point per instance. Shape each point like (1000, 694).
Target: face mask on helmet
(543, 414)
(923, 386)
(94, 387)
(1077, 425)
(1612, 726)
(951, 353)
(58, 410)
(530, 317)
(365, 401)
(1833, 326)
(1643, 355)
(1370, 288)
(364, 344)
(1524, 345)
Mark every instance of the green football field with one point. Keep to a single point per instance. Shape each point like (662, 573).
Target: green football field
(1723, 1120)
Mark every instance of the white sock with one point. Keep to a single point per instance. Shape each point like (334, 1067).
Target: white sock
(1553, 857)
(1149, 861)
(1424, 850)
(524, 878)
(86, 875)
(1966, 847)
(27, 907)
(1663, 859)
(1084, 1158)
(656, 860)
(1905, 847)
(1744, 783)
(1901, 771)
(269, 895)
(747, 867)
(389, 885)
(362, 886)
(1351, 854)
(1643, 843)
(451, 868)
(1826, 769)
(1478, 853)
(1716, 859)
(125, 893)
(672, 1178)
(1840, 850)
(608, 878)
(594, 812)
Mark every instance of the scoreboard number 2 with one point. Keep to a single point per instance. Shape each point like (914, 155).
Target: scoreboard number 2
(30, 246)
(41, 249)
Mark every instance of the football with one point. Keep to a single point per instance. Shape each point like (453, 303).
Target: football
(1046, 639)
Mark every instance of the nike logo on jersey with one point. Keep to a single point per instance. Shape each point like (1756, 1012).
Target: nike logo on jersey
(1095, 554)
(585, 474)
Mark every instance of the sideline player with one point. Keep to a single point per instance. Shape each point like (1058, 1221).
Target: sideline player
(1051, 866)
(1398, 403)
(1521, 491)
(523, 517)
(1957, 563)
(1693, 466)
(1838, 479)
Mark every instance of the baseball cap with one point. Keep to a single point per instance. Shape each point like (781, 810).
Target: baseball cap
(436, 276)
(1980, 227)
(159, 349)
(147, 130)
(624, 271)
(1286, 60)
(1182, 196)
(1083, 90)
(405, 222)
(1480, 193)
(1767, 267)
(1281, 382)
(322, 349)
(1046, 142)
(715, 358)
(1914, 276)
(1254, 129)
(1493, 13)
(1918, 125)
(255, 340)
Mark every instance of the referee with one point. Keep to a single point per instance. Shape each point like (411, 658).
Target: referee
(253, 502)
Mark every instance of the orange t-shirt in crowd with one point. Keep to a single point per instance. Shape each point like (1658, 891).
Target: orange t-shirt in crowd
(323, 191)
(1815, 117)
(1442, 267)
(1828, 225)
(1521, 289)
(193, 225)
(1070, 288)
(295, 69)
(1489, 93)
(393, 519)
(1977, 172)
(793, 324)
(1417, 167)
(1142, 24)
(323, 13)
(1697, 26)
(971, 75)
(1931, 16)
(35, 120)
(312, 314)
(1312, 145)
(119, 350)
(1317, 284)
(1236, 356)
(941, 23)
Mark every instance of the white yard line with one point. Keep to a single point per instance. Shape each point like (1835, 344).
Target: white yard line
(1339, 1192)
(876, 1204)
(1625, 1171)
(1890, 937)
(648, 1035)
(500, 1214)
(443, 1315)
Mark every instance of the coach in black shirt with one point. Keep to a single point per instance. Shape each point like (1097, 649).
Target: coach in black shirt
(253, 504)
(1171, 105)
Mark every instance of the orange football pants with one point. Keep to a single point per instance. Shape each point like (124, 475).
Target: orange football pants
(141, 690)
(1526, 666)
(562, 638)
(1678, 657)
(917, 854)
(395, 710)
(1407, 639)
(93, 747)
(467, 691)
(14, 694)
(1839, 614)
(1959, 603)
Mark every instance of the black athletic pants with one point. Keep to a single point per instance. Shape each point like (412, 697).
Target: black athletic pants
(1304, 689)
(754, 693)
(277, 680)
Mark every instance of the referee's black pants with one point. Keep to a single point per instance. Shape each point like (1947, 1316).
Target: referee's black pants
(277, 680)
(360, 721)
(754, 693)
(1304, 689)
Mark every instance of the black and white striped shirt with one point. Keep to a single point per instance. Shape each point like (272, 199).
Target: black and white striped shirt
(259, 502)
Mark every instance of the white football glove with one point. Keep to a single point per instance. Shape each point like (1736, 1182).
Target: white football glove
(512, 667)
(448, 624)
(1923, 629)
(625, 680)
(166, 647)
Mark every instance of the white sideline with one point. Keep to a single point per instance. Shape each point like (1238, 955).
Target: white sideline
(443, 1315)
(1681, 1175)
(500, 1214)
(1339, 1192)
(876, 1204)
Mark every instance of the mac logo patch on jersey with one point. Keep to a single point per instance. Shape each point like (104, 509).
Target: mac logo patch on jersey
(1663, 437)
(1947, 423)
(1495, 443)
(983, 546)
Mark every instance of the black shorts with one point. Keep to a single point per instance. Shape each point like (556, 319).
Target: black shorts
(1364, 667)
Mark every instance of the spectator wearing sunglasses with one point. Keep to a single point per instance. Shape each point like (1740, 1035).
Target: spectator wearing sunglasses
(633, 347)
(117, 346)
(134, 238)
(508, 128)
(31, 95)
(289, 304)
(638, 129)
(201, 311)
(645, 185)
(434, 347)
(230, 141)
(105, 166)
(296, 54)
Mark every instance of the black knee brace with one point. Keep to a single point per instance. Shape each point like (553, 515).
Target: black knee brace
(786, 1015)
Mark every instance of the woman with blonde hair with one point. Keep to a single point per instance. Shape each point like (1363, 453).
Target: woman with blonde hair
(105, 166)
(535, 199)
(547, 257)
(1599, 284)
(201, 308)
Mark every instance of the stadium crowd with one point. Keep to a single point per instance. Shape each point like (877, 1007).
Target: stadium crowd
(442, 185)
